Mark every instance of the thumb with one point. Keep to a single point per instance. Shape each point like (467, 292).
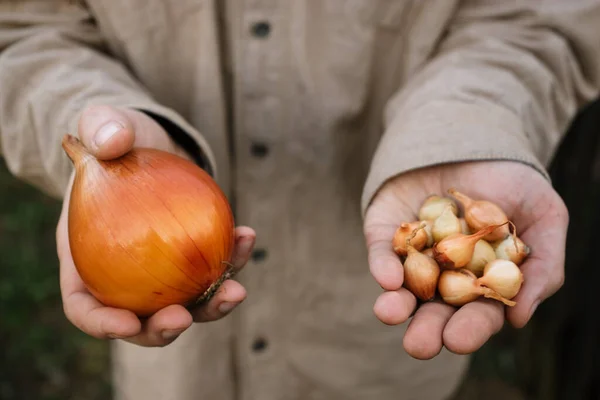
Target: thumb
(106, 131)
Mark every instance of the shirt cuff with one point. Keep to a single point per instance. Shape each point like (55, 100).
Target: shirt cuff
(442, 132)
(183, 139)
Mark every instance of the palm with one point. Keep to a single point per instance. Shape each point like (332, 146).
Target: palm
(530, 203)
(87, 313)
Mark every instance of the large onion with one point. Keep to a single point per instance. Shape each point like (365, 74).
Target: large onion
(148, 229)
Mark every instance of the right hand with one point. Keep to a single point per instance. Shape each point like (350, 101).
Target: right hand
(109, 133)
(541, 219)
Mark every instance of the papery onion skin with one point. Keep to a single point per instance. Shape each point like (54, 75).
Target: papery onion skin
(445, 225)
(148, 229)
(481, 213)
(482, 254)
(504, 277)
(458, 287)
(434, 206)
(512, 248)
(456, 250)
(419, 241)
(421, 274)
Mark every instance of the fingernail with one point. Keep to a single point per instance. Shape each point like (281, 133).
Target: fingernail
(106, 132)
(114, 336)
(226, 306)
(246, 246)
(171, 334)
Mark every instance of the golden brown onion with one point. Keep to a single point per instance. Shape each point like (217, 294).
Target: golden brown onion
(148, 229)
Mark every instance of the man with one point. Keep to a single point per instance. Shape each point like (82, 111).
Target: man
(326, 122)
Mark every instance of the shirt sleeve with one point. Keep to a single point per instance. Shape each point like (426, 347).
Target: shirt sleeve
(53, 63)
(504, 84)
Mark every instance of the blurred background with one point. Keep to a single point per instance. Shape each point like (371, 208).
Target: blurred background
(43, 357)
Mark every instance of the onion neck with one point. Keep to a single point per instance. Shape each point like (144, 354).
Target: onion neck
(466, 201)
(75, 150)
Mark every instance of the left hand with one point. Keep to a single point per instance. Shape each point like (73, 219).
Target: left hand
(529, 201)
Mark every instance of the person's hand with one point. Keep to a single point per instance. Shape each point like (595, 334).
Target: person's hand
(109, 133)
(530, 202)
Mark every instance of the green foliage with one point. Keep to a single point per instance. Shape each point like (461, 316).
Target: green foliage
(42, 356)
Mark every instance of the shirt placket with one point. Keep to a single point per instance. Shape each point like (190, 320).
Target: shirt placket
(259, 60)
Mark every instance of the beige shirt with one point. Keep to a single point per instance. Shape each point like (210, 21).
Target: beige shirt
(304, 108)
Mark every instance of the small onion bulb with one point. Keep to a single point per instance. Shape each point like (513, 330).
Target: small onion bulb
(434, 206)
(445, 225)
(502, 276)
(512, 248)
(419, 241)
(483, 253)
(459, 287)
(456, 250)
(421, 272)
(482, 213)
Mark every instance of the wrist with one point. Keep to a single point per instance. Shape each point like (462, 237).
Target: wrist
(181, 142)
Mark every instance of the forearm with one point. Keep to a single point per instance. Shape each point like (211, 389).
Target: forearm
(52, 66)
(504, 85)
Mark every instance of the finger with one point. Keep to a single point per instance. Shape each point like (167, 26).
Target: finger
(472, 325)
(227, 297)
(394, 308)
(245, 238)
(106, 131)
(543, 271)
(231, 293)
(97, 320)
(385, 265)
(83, 310)
(423, 338)
(163, 327)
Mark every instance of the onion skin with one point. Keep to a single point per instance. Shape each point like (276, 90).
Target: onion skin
(419, 241)
(512, 248)
(458, 287)
(445, 225)
(148, 229)
(482, 255)
(421, 274)
(456, 250)
(434, 206)
(482, 213)
(502, 276)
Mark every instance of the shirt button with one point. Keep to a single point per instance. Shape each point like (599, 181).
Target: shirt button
(259, 345)
(259, 150)
(261, 29)
(259, 255)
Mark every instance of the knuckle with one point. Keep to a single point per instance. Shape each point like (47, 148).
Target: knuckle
(67, 310)
(204, 315)
(76, 321)
(370, 237)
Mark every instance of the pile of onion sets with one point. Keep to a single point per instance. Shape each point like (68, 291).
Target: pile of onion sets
(462, 249)
(148, 229)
